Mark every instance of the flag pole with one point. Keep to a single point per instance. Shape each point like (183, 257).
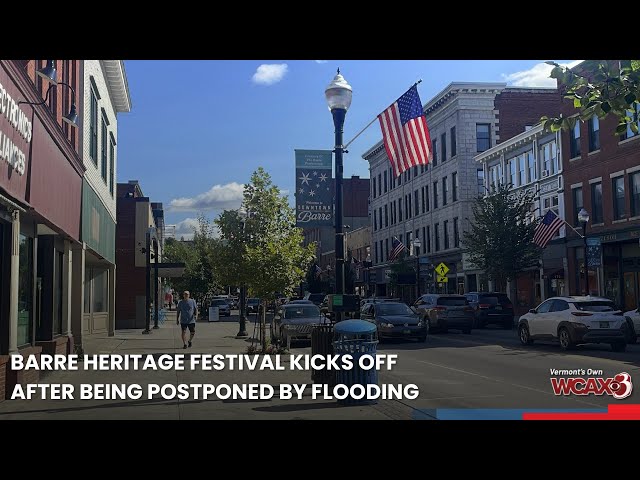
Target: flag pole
(373, 121)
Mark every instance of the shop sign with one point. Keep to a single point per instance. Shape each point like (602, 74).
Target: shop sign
(18, 122)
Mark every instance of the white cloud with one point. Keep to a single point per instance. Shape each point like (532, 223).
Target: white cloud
(536, 76)
(268, 74)
(219, 197)
(185, 228)
(322, 61)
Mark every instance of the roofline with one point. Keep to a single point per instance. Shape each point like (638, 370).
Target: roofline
(522, 137)
(118, 85)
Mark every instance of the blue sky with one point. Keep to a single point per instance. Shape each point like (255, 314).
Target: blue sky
(198, 129)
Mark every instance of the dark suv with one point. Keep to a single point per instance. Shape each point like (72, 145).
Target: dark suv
(491, 307)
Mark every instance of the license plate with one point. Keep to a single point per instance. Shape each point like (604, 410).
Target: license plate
(604, 324)
(406, 332)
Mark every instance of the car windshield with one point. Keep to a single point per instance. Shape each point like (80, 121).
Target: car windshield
(595, 306)
(456, 301)
(219, 303)
(393, 309)
(303, 311)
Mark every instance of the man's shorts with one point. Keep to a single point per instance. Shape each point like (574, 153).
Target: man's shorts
(191, 326)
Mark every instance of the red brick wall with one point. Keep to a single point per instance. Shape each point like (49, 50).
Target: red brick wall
(519, 107)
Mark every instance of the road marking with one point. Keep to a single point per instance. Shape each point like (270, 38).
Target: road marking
(502, 381)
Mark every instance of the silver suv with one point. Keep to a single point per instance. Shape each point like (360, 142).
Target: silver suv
(445, 311)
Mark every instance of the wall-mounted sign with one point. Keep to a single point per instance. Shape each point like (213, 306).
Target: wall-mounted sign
(17, 124)
(314, 193)
(594, 252)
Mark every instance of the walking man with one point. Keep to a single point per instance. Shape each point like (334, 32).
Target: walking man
(187, 314)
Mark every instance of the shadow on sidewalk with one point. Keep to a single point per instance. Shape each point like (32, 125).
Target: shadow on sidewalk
(298, 407)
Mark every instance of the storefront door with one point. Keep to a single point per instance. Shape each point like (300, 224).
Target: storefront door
(630, 290)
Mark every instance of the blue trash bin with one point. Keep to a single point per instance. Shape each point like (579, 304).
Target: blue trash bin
(356, 338)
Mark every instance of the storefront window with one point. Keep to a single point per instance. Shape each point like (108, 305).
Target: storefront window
(25, 291)
(100, 290)
(57, 325)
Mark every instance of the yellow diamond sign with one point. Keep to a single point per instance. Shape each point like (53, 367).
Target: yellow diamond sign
(442, 269)
(442, 279)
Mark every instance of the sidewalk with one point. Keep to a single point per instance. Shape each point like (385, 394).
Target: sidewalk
(214, 337)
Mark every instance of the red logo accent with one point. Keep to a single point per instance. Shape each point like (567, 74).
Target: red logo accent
(619, 387)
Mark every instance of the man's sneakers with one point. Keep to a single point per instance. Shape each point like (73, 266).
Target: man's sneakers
(189, 343)
(184, 346)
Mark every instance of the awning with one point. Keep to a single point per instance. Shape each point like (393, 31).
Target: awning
(170, 270)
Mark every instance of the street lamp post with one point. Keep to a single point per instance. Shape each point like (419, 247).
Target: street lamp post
(417, 244)
(338, 95)
(583, 217)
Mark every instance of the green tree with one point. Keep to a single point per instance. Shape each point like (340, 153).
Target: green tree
(403, 266)
(599, 88)
(500, 240)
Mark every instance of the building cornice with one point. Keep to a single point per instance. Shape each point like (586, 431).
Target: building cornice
(27, 88)
(117, 84)
(523, 138)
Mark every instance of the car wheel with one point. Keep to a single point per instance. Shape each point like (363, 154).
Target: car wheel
(523, 334)
(565, 339)
(618, 347)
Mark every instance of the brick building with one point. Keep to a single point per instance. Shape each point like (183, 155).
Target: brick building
(602, 175)
(136, 216)
(433, 203)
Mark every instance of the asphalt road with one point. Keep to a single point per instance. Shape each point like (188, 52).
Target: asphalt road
(491, 369)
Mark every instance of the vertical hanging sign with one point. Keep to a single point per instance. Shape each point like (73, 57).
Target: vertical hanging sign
(314, 188)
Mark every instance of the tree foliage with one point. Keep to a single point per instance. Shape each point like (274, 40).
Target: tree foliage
(500, 240)
(599, 88)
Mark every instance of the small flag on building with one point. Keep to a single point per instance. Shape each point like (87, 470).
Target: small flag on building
(396, 249)
(318, 271)
(405, 133)
(547, 228)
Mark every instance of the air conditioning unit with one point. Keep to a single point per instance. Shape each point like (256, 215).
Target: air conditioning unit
(545, 173)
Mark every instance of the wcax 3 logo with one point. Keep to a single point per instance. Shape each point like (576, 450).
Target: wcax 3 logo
(619, 386)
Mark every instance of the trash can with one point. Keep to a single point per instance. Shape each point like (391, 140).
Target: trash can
(321, 344)
(356, 338)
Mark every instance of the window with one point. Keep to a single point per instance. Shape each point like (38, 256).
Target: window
(453, 142)
(417, 237)
(444, 191)
(494, 176)
(522, 171)
(578, 203)
(100, 290)
(379, 184)
(617, 187)
(531, 166)
(395, 212)
(386, 215)
(399, 179)
(428, 239)
(435, 152)
(513, 173)
(385, 181)
(596, 202)
(483, 136)
(407, 209)
(112, 164)
(574, 140)
(559, 306)
(382, 257)
(410, 210)
(376, 252)
(415, 171)
(443, 141)
(454, 185)
(594, 134)
(421, 169)
(375, 221)
(544, 308)
(456, 234)
(634, 118)
(380, 217)
(549, 156)
(386, 248)
(445, 234)
(25, 289)
(436, 229)
(634, 183)
(480, 180)
(399, 209)
(393, 181)
(426, 196)
(423, 201)
(416, 203)
(374, 187)
(424, 240)
(435, 194)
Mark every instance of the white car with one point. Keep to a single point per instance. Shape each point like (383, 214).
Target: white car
(634, 316)
(573, 321)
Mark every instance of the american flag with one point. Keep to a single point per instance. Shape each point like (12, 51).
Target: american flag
(405, 133)
(318, 271)
(396, 249)
(549, 226)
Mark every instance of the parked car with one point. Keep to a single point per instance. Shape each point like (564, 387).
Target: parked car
(491, 307)
(395, 320)
(294, 321)
(633, 324)
(573, 321)
(223, 306)
(316, 298)
(253, 305)
(446, 311)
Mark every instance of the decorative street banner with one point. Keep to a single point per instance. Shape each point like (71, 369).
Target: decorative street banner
(594, 252)
(314, 195)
